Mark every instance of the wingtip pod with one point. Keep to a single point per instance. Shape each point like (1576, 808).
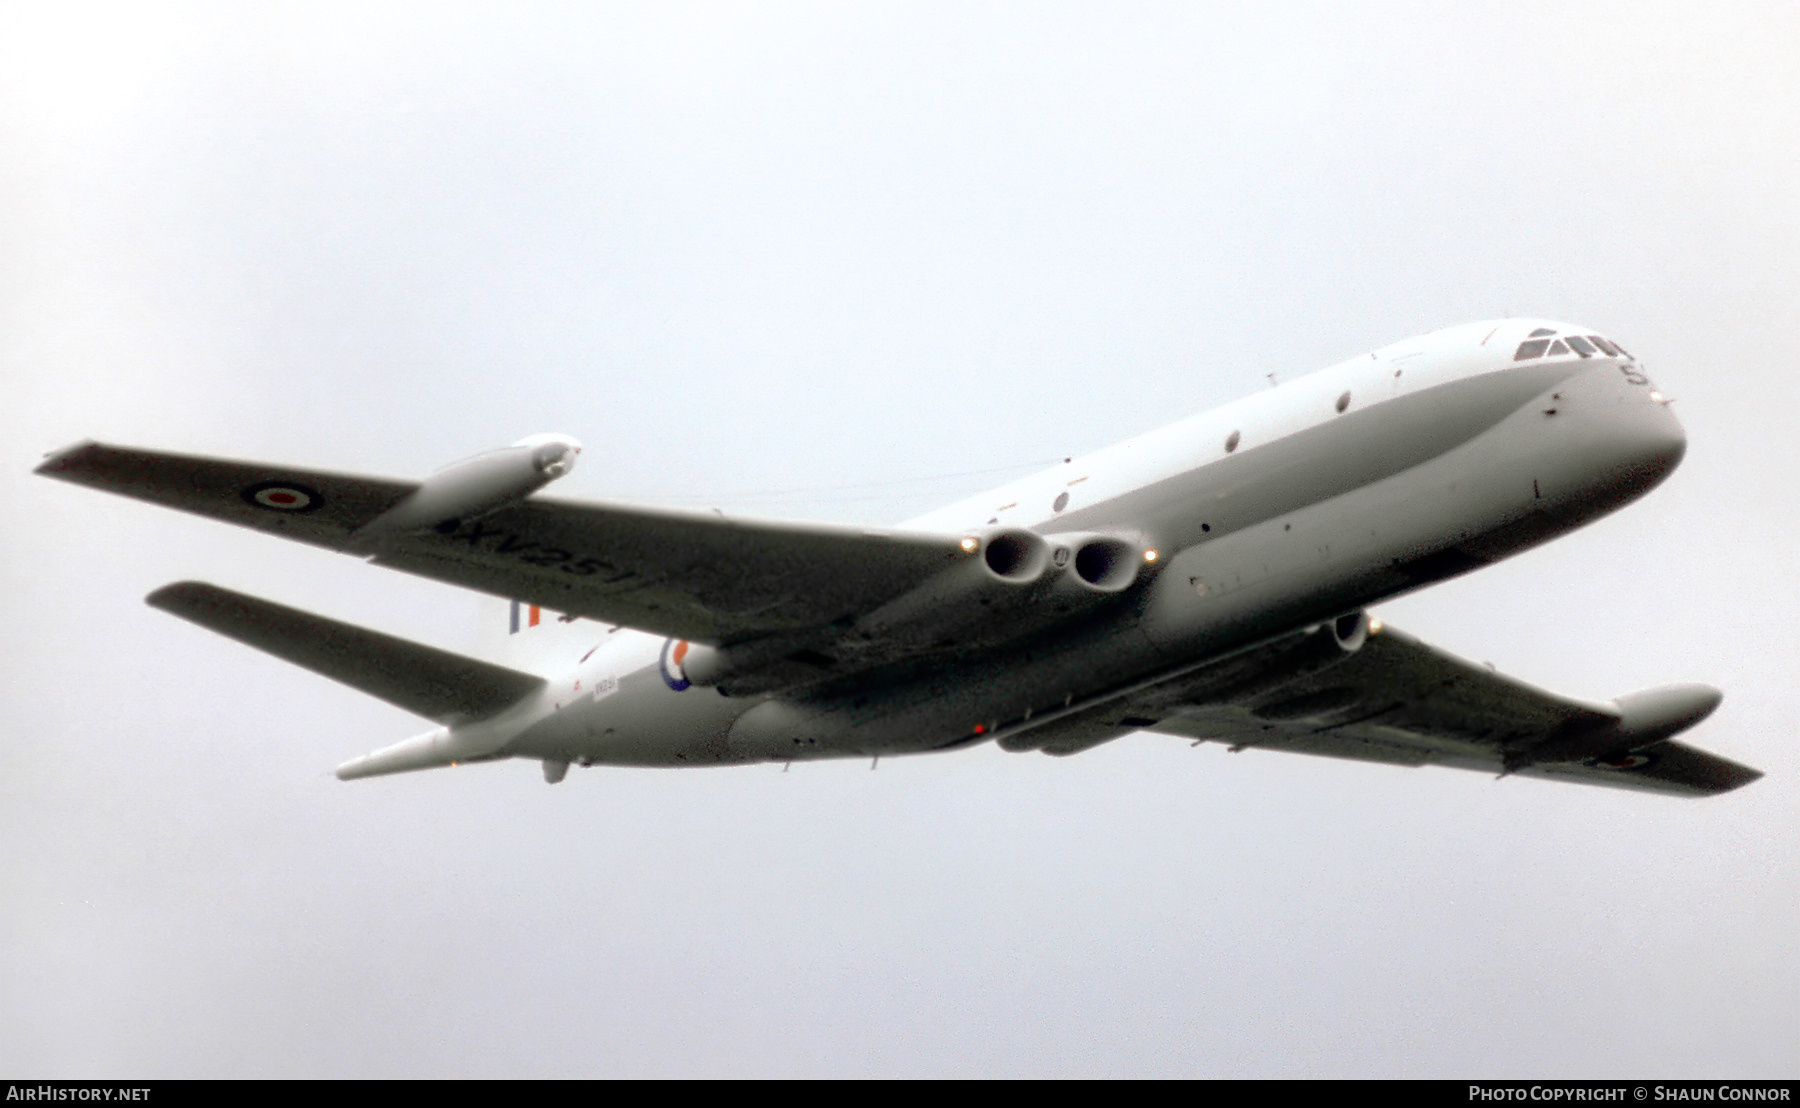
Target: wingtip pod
(1661, 713)
(1633, 746)
(1631, 722)
(476, 487)
(1651, 718)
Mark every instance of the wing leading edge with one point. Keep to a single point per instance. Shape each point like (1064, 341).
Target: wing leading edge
(1400, 701)
(690, 575)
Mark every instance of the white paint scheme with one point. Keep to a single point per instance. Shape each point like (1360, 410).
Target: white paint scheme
(477, 487)
(1261, 418)
(1251, 527)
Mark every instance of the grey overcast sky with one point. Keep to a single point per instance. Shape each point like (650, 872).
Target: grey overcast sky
(834, 261)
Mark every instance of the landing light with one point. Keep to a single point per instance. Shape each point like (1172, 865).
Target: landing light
(1149, 555)
(969, 544)
(1656, 396)
(1375, 626)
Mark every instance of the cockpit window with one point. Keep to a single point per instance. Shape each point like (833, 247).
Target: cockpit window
(1540, 346)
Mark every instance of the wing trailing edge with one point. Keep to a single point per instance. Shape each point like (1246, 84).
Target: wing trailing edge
(699, 576)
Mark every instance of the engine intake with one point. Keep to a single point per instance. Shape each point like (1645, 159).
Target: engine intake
(1016, 556)
(1350, 631)
(1092, 563)
(1304, 654)
(1106, 564)
(963, 601)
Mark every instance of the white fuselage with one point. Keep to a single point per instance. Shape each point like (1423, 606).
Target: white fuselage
(1279, 511)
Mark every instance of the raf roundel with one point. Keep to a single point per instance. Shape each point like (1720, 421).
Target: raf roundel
(1623, 761)
(672, 674)
(282, 496)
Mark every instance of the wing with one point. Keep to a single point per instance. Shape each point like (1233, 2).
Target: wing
(1400, 701)
(690, 575)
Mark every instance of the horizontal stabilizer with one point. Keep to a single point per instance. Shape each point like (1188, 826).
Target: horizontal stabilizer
(441, 686)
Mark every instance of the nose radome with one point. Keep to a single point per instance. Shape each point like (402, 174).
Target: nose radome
(1655, 439)
(1672, 439)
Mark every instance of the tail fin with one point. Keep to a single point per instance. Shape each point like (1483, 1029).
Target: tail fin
(441, 686)
(535, 639)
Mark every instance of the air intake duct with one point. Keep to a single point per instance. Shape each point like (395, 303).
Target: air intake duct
(998, 578)
(1087, 562)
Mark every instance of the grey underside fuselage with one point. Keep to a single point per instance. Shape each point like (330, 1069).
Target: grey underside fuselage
(1253, 544)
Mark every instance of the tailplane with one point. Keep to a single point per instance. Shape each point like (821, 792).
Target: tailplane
(446, 688)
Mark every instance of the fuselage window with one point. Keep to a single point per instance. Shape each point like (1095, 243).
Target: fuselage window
(1557, 347)
(1581, 346)
(1231, 442)
(1608, 348)
(1532, 349)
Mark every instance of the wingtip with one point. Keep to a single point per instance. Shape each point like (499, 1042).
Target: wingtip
(178, 596)
(1728, 776)
(1746, 776)
(57, 462)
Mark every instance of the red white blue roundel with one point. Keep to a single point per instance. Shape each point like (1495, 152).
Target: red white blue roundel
(1623, 761)
(282, 496)
(672, 654)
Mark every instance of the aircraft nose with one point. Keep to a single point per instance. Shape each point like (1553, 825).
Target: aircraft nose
(1652, 438)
